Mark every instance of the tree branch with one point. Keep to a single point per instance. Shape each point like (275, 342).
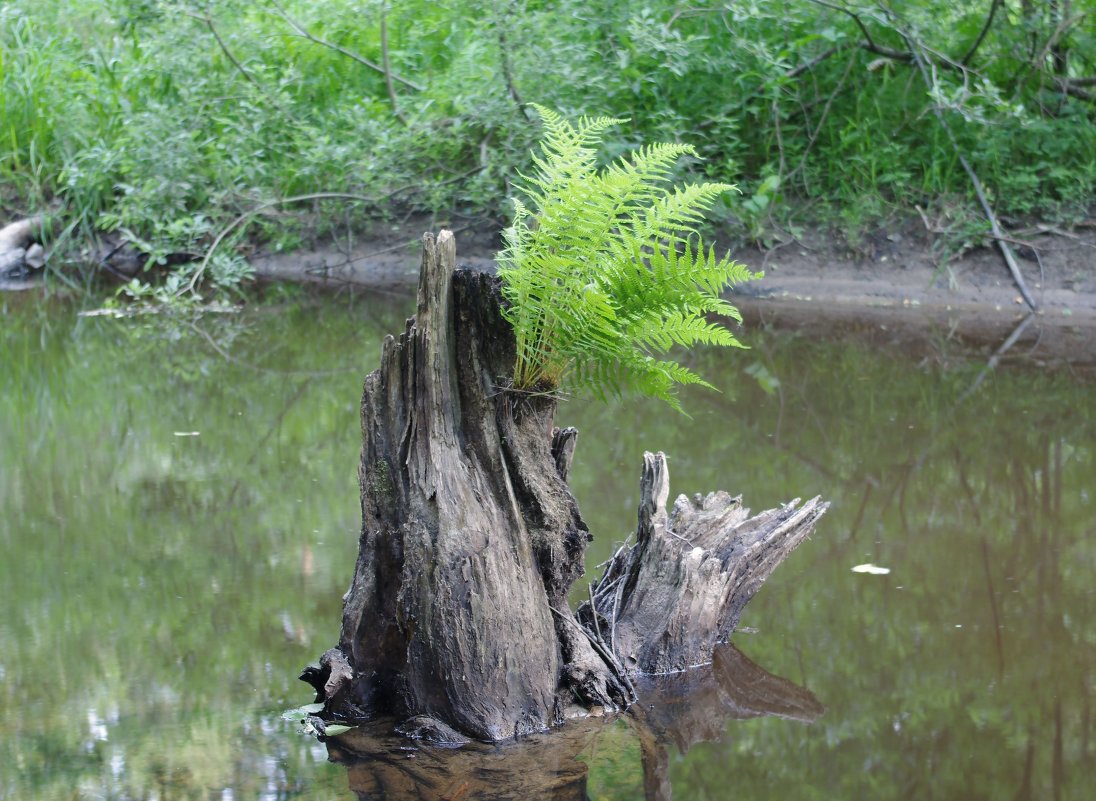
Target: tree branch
(387, 67)
(504, 63)
(806, 66)
(995, 226)
(208, 22)
(868, 44)
(305, 34)
(982, 35)
(1073, 90)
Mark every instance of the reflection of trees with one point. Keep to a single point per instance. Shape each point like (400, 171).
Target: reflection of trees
(152, 583)
(677, 711)
(983, 510)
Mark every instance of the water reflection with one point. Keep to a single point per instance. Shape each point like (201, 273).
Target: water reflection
(159, 594)
(674, 712)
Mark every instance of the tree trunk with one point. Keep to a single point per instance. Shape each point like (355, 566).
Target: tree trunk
(457, 615)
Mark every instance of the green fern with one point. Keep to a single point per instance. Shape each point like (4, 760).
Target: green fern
(603, 272)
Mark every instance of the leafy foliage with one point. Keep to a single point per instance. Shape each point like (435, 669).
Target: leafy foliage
(137, 116)
(605, 274)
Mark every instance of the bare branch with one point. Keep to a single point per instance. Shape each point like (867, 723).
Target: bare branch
(806, 66)
(822, 118)
(1059, 31)
(1073, 90)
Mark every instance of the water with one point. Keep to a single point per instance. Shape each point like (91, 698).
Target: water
(178, 519)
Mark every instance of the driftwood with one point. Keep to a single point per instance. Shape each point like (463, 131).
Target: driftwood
(457, 614)
(18, 251)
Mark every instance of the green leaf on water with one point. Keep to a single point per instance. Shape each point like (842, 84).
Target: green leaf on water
(335, 729)
(302, 711)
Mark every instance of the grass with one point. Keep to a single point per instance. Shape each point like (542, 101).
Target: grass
(162, 121)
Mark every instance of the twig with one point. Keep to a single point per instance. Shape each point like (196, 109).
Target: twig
(1071, 89)
(247, 215)
(314, 196)
(613, 620)
(388, 67)
(504, 63)
(593, 609)
(782, 164)
(868, 43)
(822, 118)
(795, 72)
(982, 35)
(1055, 37)
(304, 33)
(208, 20)
(610, 658)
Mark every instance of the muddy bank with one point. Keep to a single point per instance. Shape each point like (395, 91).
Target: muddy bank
(895, 289)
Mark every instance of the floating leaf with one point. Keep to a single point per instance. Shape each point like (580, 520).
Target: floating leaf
(302, 711)
(871, 569)
(335, 729)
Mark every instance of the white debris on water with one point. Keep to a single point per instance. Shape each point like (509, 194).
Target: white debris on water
(871, 569)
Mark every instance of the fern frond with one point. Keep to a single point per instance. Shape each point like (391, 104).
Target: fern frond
(603, 271)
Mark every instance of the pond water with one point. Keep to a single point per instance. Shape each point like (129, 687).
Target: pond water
(179, 519)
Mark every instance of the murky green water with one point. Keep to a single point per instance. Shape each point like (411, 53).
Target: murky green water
(178, 519)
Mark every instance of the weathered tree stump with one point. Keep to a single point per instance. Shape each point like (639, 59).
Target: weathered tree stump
(457, 615)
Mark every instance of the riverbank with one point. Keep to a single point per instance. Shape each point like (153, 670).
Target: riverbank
(897, 287)
(893, 287)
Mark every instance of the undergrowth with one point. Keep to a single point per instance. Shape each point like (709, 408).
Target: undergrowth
(159, 121)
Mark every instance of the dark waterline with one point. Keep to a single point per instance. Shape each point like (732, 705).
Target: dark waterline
(180, 520)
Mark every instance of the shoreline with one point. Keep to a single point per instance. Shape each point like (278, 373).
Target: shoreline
(897, 292)
(894, 290)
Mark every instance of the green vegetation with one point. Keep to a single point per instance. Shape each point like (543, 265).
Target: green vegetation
(605, 274)
(163, 120)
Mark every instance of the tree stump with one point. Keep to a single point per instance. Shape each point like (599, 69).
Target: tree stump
(457, 617)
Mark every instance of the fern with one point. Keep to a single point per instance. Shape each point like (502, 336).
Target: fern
(603, 272)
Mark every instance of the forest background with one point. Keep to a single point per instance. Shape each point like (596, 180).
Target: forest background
(159, 123)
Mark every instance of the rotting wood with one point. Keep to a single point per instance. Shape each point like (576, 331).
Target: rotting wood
(471, 541)
(682, 587)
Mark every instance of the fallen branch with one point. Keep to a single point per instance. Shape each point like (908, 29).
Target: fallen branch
(995, 226)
